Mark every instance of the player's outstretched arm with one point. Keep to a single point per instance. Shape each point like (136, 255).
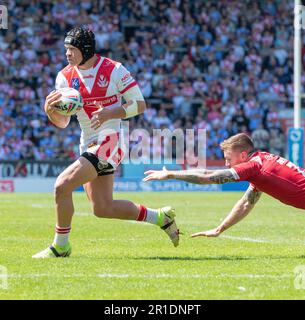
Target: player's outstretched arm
(197, 176)
(239, 211)
(59, 120)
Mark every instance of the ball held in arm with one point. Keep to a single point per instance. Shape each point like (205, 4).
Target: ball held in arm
(70, 103)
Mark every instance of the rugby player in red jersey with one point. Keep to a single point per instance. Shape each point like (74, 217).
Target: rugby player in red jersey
(102, 83)
(266, 172)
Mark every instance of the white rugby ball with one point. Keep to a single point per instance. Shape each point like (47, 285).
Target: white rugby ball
(70, 103)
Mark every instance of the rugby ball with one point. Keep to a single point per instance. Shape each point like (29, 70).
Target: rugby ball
(70, 103)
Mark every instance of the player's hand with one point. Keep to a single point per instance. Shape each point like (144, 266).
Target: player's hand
(156, 174)
(209, 233)
(51, 100)
(100, 116)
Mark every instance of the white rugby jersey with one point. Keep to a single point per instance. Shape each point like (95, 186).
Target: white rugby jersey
(104, 83)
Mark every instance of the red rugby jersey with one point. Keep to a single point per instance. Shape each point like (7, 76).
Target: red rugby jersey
(275, 176)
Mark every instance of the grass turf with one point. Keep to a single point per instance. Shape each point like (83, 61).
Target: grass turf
(115, 259)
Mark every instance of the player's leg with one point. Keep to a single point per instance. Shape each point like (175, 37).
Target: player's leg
(104, 206)
(102, 202)
(78, 173)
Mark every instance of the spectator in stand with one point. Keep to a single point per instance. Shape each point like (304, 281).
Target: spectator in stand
(239, 120)
(277, 141)
(260, 137)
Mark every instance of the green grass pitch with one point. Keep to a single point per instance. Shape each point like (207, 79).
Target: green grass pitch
(114, 259)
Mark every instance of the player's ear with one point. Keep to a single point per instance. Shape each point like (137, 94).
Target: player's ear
(244, 155)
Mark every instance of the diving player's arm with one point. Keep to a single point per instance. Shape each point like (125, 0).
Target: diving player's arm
(197, 176)
(57, 119)
(241, 172)
(239, 211)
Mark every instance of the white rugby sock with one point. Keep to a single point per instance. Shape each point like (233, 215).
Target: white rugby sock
(61, 236)
(152, 216)
(148, 215)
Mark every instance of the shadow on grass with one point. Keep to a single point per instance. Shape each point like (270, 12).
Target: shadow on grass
(231, 258)
(224, 258)
(188, 258)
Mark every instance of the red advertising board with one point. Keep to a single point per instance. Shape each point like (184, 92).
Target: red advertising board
(7, 186)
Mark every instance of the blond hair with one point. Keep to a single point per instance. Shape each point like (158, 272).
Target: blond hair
(240, 141)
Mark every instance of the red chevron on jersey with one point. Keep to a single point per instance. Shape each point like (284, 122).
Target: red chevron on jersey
(100, 86)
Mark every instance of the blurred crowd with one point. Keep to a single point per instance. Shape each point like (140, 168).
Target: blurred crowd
(224, 66)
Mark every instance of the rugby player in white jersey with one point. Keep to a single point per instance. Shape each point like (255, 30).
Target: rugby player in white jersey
(102, 82)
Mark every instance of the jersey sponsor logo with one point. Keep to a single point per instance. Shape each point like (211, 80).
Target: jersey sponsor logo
(90, 76)
(107, 101)
(75, 83)
(269, 157)
(126, 79)
(102, 82)
(281, 160)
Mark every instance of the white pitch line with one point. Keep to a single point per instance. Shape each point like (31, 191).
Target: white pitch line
(47, 275)
(196, 276)
(39, 205)
(245, 239)
(110, 275)
(20, 239)
(152, 276)
(83, 214)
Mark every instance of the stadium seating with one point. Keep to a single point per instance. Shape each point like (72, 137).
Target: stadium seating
(199, 63)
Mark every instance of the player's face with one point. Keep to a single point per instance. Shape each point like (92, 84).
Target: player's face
(74, 55)
(234, 157)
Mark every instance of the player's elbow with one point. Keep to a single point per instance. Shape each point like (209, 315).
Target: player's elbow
(63, 122)
(141, 106)
(61, 125)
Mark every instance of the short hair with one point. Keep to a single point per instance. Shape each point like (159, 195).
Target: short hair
(240, 141)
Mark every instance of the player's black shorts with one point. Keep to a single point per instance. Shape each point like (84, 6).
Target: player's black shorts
(102, 168)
